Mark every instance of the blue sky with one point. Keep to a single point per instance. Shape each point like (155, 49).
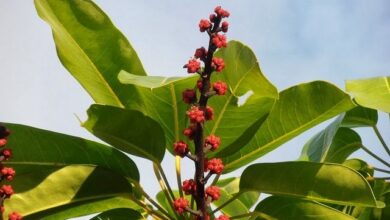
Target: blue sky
(295, 41)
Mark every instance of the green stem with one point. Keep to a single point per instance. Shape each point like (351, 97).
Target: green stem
(215, 181)
(375, 156)
(165, 180)
(378, 134)
(382, 170)
(150, 211)
(164, 188)
(382, 178)
(178, 174)
(227, 202)
(151, 200)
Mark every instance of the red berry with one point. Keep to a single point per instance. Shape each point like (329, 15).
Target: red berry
(218, 64)
(2, 209)
(213, 141)
(213, 192)
(189, 96)
(3, 142)
(204, 24)
(6, 190)
(199, 84)
(180, 205)
(220, 87)
(15, 216)
(190, 131)
(180, 148)
(192, 66)
(219, 40)
(6, 153)
(214, 165)
(221, 12)
(225, 26)
(7, 173)
(196, 115)
(223, 217)
(200, 53)
(209, 113)
(189, 186)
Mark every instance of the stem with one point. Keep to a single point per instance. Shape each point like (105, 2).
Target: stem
(375, 156)
(381, 170)
(215, 181)
(227, 202)
(382, 178)
(178, 174)
(151, 200)
(148, 210)
(163, 187)
(165, 180)
(378, 134)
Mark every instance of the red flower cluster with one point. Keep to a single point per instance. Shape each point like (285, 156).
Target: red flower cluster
(7, 173)
(180, 205)
(196, 115)
(220, 87)
(199, 112)
(214, 165)
(189, 186)
(180, 148)
(213, 192)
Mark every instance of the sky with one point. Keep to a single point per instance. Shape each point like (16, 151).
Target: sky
(295, 42)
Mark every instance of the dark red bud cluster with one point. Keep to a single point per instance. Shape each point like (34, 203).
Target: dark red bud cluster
(213, 193)
(7, 173)
(189, 187)
(180, 205)
(214, 165)
(222, 217)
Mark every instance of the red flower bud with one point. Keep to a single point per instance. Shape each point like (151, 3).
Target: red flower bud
(180, 148)
(223, 217)
(6, 190)
(199, 84)
(190, 131)
(221, 12)
(6, 153)
(7, 173)
(212, 17)
(220, 87)
(212, 141)
(196, 115)
(192, 66)
(219, 40)
(3, 142)
(214, 165)
(189, 96)
(213, 192)
(225, 26)
(180, 205)
(200, 53)
(15, 216)
(218, 64)
(207, 217)
(189, 186)
(204, 24)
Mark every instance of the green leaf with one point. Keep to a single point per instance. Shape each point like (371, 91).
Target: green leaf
(162, 97)
(55, 187)
(83, 208)
(91, 48)
(330, 183)
(298, 109)
(119, 214)
(283, 208)
(234, 208)
(372, 92)
(360, 166)
(333, 144)
(35, 149)
(360, 117)
(232, 186)
(127, 130)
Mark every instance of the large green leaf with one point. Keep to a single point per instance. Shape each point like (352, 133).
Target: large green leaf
(41, 149)
(119, 214)
(360, 117)
(333, 144)
(283, 208)
(232, 186)
(127, 130)
(298, 109)
(91, 48)
(371, 93)
(161, 97)
(331, 183)
(55, 187)
(83, 208)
